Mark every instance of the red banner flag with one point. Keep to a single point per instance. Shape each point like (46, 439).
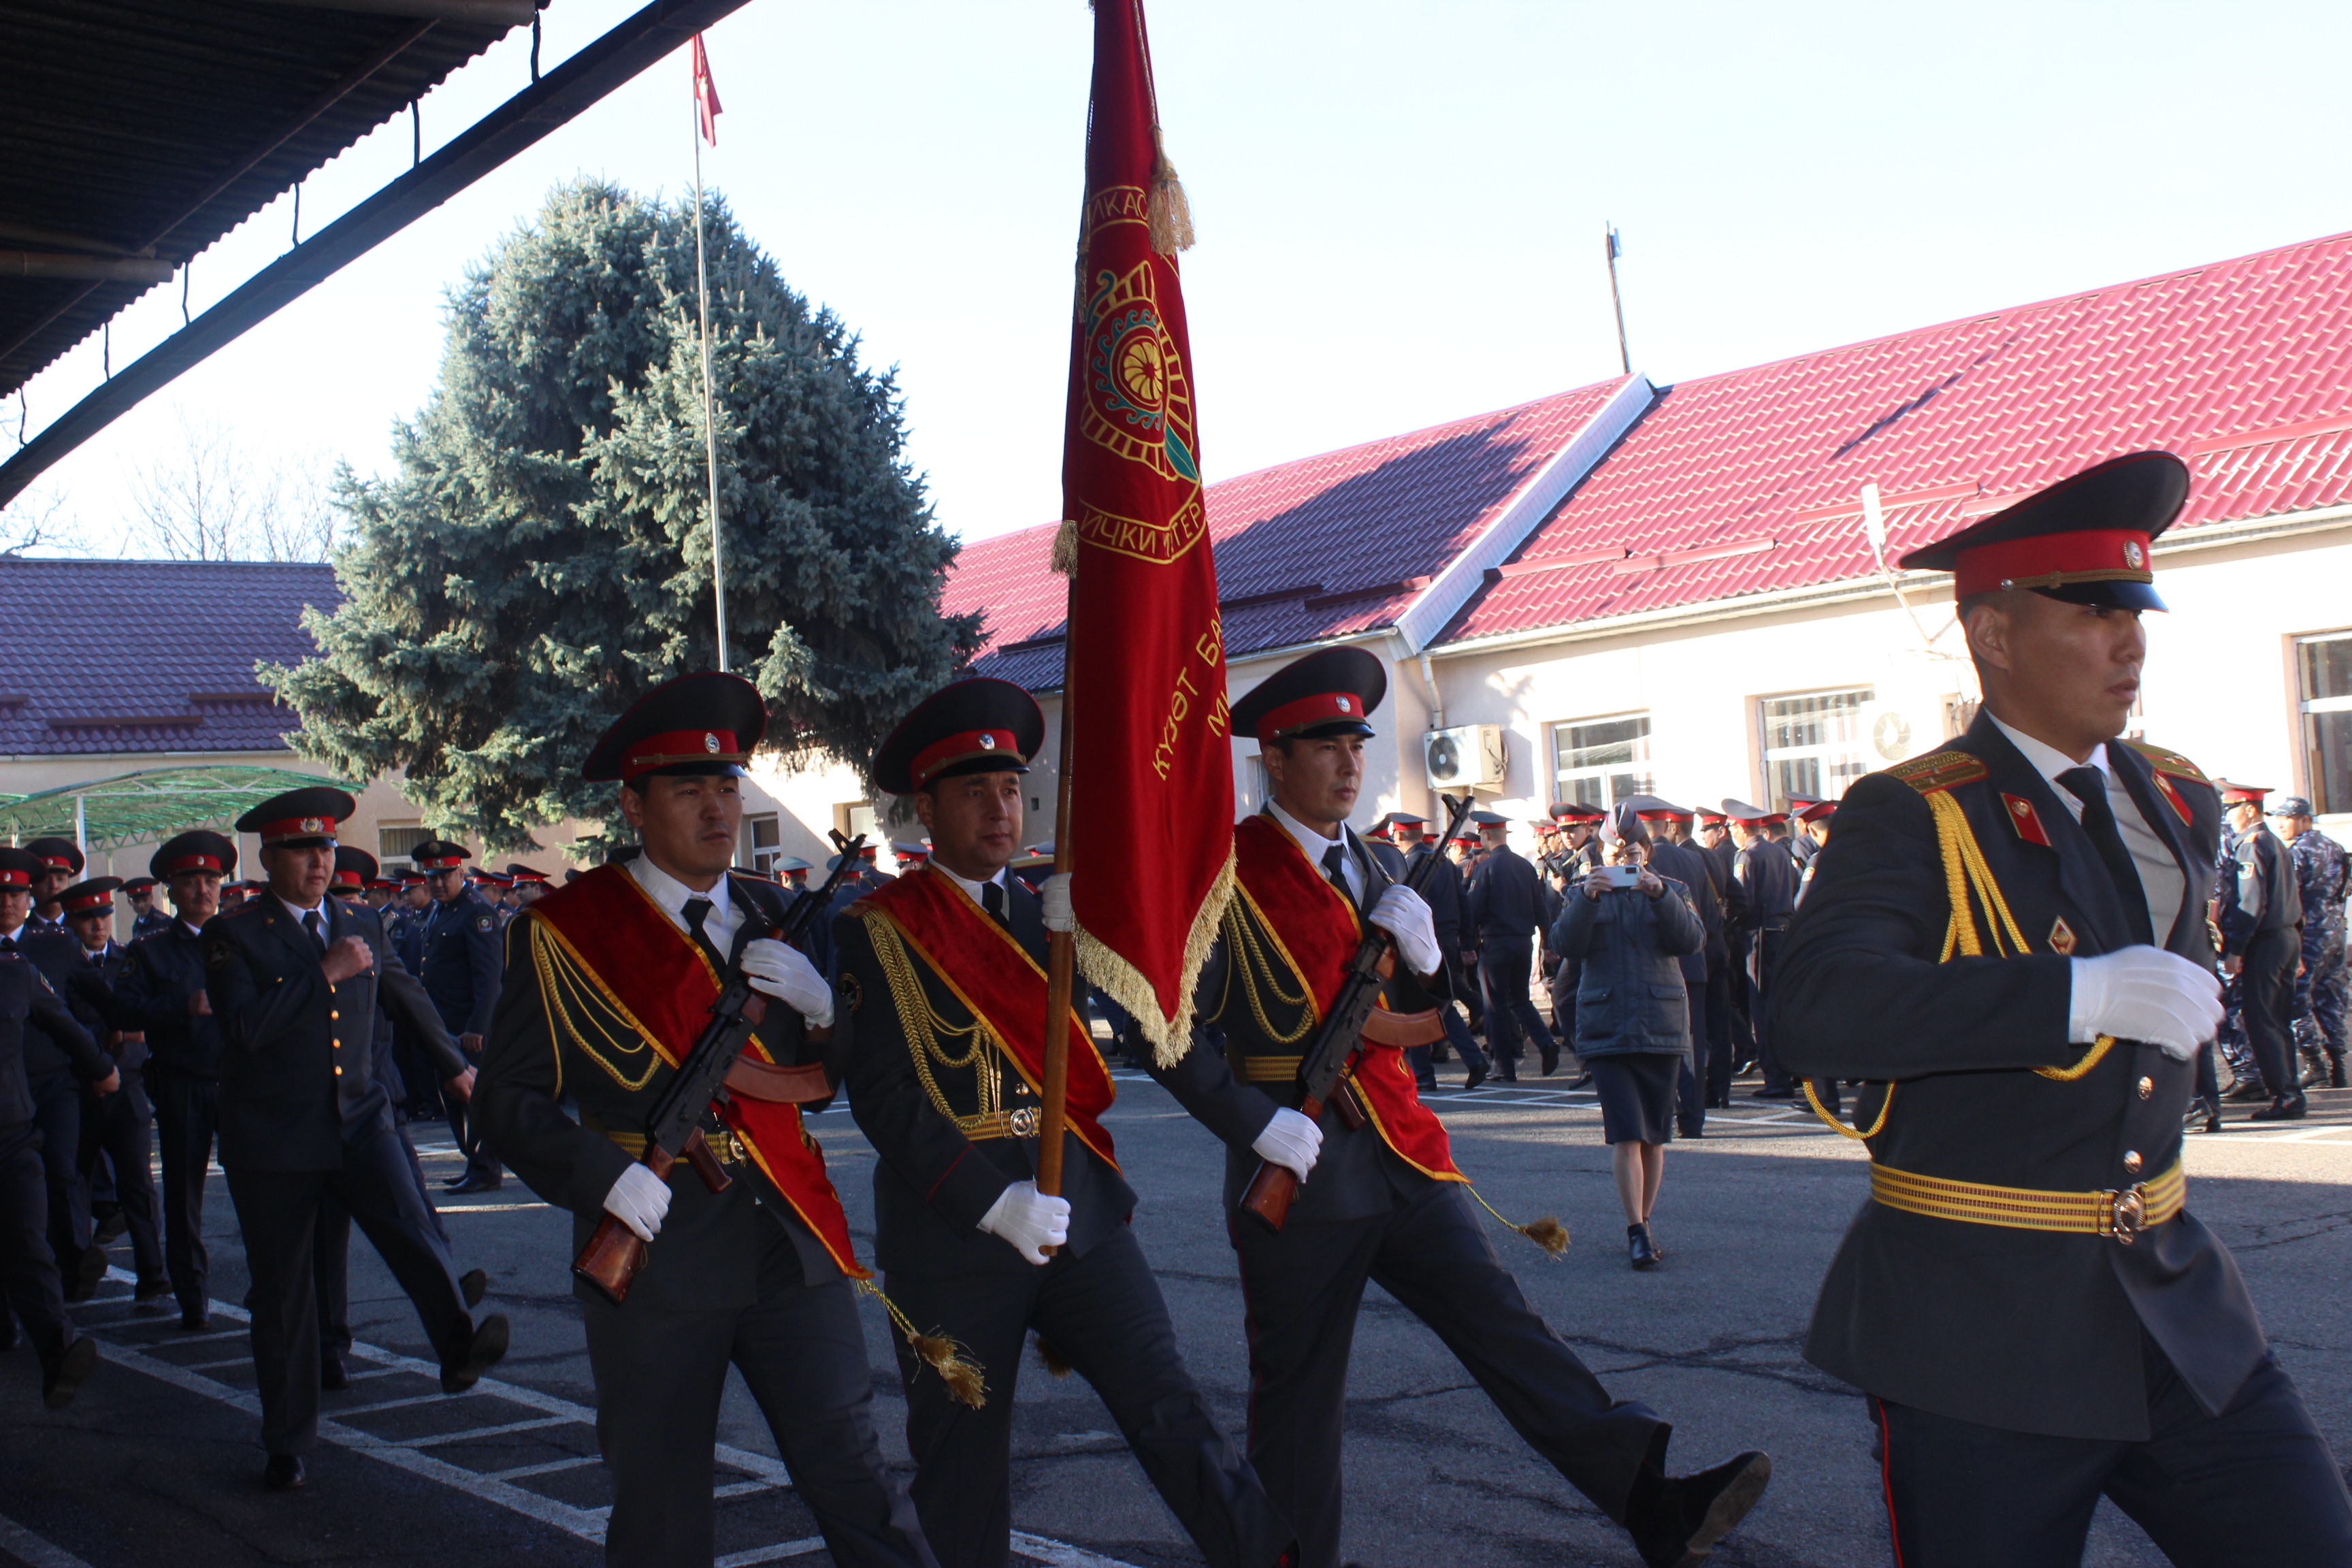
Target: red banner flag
(705, 95)
(1151, 817)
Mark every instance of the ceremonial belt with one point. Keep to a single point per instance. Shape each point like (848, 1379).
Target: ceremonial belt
(1021, 1122)
(1384, 1031)
(729, 1149)
(2117, 1213)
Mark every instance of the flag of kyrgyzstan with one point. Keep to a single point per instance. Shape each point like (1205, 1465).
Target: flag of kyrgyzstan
(1151, 817)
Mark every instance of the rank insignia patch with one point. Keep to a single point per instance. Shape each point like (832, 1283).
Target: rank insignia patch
(2061, 937)
(2025, 819)
(851, 991)
(481, 923)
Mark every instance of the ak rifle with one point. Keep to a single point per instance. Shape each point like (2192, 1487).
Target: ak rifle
(614, 1255)
(1270, 1191)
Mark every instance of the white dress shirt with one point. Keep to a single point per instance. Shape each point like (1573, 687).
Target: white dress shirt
(669, 895)
(326, 921)
(971, 888)
(1314, 846)
(2161, 879)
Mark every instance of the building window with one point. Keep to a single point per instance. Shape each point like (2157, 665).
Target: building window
(1814, 745)
(2323, 666)
(767, 842)
(397, 841)
(857, 817)
(1600, 761)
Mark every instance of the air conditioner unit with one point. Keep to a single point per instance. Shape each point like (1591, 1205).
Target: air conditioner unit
(1470, 757)
(1894, 732)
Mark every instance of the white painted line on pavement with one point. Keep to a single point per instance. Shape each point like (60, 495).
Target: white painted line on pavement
(22, 1543)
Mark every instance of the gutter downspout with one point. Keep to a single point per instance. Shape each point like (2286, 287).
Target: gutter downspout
(1436, 701)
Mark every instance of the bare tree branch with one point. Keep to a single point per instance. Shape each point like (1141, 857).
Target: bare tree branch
(211, 500)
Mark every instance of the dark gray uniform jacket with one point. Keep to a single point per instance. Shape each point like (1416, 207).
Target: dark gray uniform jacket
(1505, 901)
(298, 1077)
(935, 1179)
(2029, 1330)
(1631, 996)
(56, 954)
(460, 961)
(165, 972)
(708, 1253)
(27, 1002)
(1766, 876)
(1695, 871)
(2260, 891)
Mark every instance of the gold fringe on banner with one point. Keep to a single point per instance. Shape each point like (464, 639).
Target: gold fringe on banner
(1125, 984)
(1170, 214)
(1066, 547)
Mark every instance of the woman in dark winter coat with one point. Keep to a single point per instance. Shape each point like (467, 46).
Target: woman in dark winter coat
(1632, 1011)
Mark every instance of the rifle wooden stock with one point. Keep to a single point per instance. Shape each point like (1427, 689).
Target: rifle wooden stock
(1270, 1191)
(613, 1255)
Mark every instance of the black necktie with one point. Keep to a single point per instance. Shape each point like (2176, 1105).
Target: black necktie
(697, 911)
(1335, 867)
(2089, 786)
(311, 924)
(992, 899)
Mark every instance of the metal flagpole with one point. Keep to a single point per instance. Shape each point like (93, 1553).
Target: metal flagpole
(709, 403)
(1624, 355)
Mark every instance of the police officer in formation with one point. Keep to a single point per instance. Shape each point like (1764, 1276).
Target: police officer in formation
(1503, 908)
(1411, 834)
(2007, 938)
(61, 864)
(1765, 875)
(2260, 912)
(117, 1130)
(460, 964)
(2323, 876)
(147, 917)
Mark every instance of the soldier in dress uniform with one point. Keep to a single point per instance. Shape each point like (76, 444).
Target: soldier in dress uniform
(2008, 936)
(942, 971)
(163, 990)
(1766, 876)
(117, 1139)
(2260, 912)
(2322, 875)
(29, 1268)
(147, 917)
(297, 977)
(460, 964)
(1501, 907)
(1451, 984)
(613, 978)
(61, 864)
(1381, 1198)
(795, 872)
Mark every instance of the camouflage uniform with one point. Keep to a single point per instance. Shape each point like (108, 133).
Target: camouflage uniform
(2323, 873)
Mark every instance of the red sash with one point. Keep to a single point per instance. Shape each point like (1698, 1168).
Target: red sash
(994, 977)
(1317, 932)
(664, 985)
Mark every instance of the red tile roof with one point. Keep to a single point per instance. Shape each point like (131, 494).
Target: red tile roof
(1324, 547)
(1749, 482)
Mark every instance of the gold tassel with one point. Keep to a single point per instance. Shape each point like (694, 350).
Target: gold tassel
(1066, 547)
(1170, 214)
(1051, 1358)
(966, 1385)
(1547, 1233)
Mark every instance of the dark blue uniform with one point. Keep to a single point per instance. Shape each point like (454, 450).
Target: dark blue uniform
(117, 1137)
(29, 1267)
(49, 1072)
(1766, 876)
(1502, 907)
(1444, 900)
(1695, 869)
(461, 965)
(2261, 926)
(154, 991)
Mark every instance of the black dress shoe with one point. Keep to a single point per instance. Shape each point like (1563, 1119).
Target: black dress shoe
(2204, 1115)
(2285, 1107)
(2247, 1089)
(1690, 1132)
(1774, 1094)
(283, 1473)
(1583, 1079)
(1640, 1249)
(483, 1348)
(1477, 1075)
(1676, 1521)
(472, 1284)
(87, 1272)
(195, 1318)
(472, 1184)
(1550, 1063)
(62, 1378)
(332, 1377)
(110, 1228)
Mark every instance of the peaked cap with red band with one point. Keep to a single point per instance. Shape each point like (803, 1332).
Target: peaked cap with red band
(977, 726)
(1740, 811)
(701, 725)
(438, 855)
(17, 868)
(2241, 795)
(1333, 691)
(1651, 808)
(2086, 540)
(354, 868)
(298, 818)
(57, 855)
(199, 849)
(95, 896)
(1576, 811)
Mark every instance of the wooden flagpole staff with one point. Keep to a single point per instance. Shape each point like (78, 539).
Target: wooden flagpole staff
(1061, 953)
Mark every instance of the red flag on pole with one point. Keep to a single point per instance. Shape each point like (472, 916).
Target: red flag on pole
(706, 94)
(1151, 829)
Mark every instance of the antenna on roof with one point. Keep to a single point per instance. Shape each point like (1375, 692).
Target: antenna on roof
(1616, 249)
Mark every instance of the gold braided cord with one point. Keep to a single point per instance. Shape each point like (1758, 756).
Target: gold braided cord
(1841, 1128)
(1261, 971)
(2090, 1058)
(580, 1010)
(924, 1028)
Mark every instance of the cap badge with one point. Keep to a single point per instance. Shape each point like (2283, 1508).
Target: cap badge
(314, 824)
(987, 741)
(1343, 705)
(710, 742)
(2134, 557)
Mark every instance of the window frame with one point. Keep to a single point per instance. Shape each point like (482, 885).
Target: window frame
(2312, 762)
(1640, 771)
(1858, 746)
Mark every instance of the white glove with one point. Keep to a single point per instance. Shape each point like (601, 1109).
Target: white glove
(1056, 896)
(781, 972)
(1290, 1139)
(1030, 1220)
(2144, 994)
(1403, 916)
(639, 1200)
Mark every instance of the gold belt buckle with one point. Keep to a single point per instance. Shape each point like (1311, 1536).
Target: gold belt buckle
(727, 1147)
(2127, 1210)
(1022, 1120)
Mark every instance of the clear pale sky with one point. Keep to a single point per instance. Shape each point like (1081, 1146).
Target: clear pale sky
(1399, 205)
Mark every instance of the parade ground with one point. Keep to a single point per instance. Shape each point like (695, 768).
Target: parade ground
(159, 1460)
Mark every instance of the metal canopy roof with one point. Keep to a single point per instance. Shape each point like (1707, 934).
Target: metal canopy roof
(154, 802)
(135, 134)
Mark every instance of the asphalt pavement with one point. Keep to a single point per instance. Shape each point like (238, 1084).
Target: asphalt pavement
(158, 1462)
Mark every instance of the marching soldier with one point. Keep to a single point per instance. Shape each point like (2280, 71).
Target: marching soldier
(943, 972)
(1502, 906)
(2322, 875)
(1382, 1197)
(613, 978)
(296, 977)
(2261, 916)
(460, 964)
(116, 1141)
(163, 990)
(2008, 935)
(1766, 876)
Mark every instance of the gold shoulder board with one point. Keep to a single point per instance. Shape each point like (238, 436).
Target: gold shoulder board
(2171, 763)
(1940, 771)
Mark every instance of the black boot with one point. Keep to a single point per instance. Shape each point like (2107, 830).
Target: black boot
(1643, 1251)
(63, 1377)
(1676, 1521)
(2285, 1107)
(2335, 1069)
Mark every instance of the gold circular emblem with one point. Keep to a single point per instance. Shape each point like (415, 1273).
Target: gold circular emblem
(313, 824)
(987, 741)
(2134, 557)
(1343, 705)
(710, 742)
(1141, 374)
